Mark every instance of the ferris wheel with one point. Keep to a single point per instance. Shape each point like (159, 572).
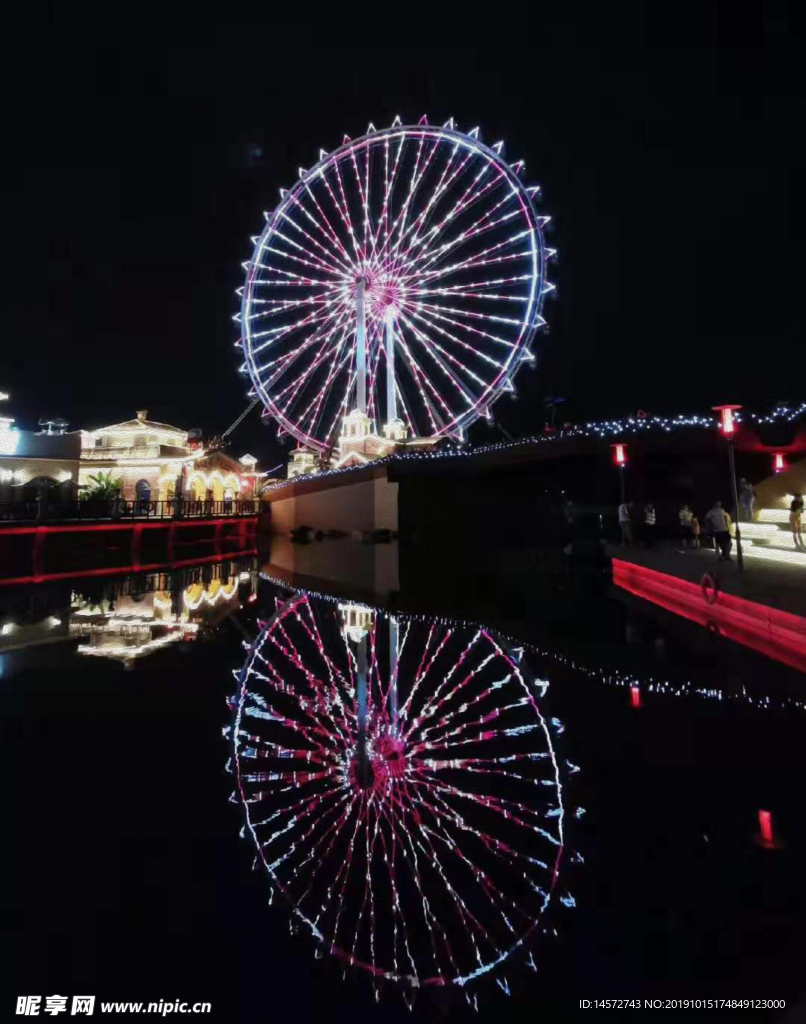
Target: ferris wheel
(402, 276)
(402, 788)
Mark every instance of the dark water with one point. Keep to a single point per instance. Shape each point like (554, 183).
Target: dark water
(594, 838)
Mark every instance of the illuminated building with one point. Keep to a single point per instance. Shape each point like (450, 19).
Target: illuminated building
(31, 463)
(154, 461)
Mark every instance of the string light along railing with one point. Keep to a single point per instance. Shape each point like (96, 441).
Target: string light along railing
(605, 676)
(595, 430)
(403, 790)
(401, 278)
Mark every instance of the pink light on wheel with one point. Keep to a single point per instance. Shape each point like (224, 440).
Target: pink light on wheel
(449, 245)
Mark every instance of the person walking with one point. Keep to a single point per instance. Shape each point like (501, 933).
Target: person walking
(686, 517)
(625, 522)
(796, 520)
(718, 521)
(695, 532)
(649, 525)
(747, 497)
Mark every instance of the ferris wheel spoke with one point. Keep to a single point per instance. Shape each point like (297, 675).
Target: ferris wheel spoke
(506, 853)
(292, 390)
(433, 202)
(319, 852)
(440, 702)
(438, 308)
(487, 222)
(360, 254)
(479, 286)
(315, 410)
(324, 226)
(435, 695)
(278, 306)
(443, 358)
(417, 180)
(331, 264)
(342, 211)
(362, 196)
(389, 183)
(486, 257)
(309, 258)
(323, 333)
(274, 335)
(467, 917)
(420, 254)
(477, 332)
(500, 904)
(469, 198)
(468, 348)
(436, 933)
(424, 386)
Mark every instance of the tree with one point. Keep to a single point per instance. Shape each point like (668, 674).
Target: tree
(101, 487)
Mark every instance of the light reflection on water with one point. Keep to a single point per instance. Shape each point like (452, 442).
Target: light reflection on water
(406, 762)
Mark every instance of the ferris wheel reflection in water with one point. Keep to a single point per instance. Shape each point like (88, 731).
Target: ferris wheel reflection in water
(403, 790)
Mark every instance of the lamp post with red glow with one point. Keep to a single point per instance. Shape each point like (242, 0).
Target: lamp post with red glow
(620, 460)
(728, 428)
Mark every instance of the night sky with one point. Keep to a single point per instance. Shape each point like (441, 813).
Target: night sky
(139, 159)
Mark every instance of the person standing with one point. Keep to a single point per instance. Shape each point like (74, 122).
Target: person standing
(686, 517)
(625, 522)
(718, 521)
(796, 520)
(747, 497)
(649, 525)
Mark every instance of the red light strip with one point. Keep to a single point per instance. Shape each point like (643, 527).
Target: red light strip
(164, 524)
(775, 633)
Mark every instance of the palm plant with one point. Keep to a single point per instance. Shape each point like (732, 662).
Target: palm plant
(101, 487)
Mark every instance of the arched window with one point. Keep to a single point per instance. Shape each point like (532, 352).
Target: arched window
(142, 490)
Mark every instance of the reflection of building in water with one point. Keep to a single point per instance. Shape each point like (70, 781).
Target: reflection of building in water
(140, 618)
(123, 619)
(401, 786)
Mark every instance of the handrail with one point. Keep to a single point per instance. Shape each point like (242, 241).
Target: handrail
(120, 510)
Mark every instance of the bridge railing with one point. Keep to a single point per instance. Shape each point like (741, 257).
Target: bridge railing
(118, 510)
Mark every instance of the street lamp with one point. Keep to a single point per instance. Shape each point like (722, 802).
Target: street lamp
(728, 427)
(620, 460)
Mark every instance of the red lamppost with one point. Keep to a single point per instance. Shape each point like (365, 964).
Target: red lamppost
(620, 460)
(728, 427)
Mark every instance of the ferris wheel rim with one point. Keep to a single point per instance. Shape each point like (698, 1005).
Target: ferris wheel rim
(532, 322)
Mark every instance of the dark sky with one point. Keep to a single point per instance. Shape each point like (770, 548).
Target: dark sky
(671, 155)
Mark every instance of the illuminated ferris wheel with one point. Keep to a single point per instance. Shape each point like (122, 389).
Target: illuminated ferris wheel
(401, 277)
(402, 789)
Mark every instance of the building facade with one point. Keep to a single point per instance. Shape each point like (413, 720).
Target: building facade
(31, 463)
(155, 462)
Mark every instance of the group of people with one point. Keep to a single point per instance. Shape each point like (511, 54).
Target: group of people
(717, 523)
(625, 521)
